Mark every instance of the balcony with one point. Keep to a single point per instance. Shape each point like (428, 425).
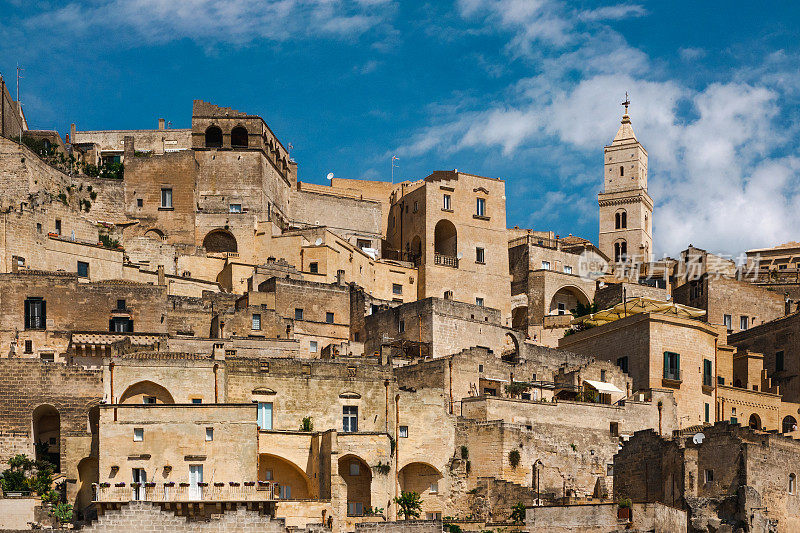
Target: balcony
(260, 491)
(445, 260)
(672, 378)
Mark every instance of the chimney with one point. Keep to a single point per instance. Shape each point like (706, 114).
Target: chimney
(161, 124)
(129, 148)
(161, 276)
(72, 131)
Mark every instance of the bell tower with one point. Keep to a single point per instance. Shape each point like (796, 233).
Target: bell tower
(626, 210)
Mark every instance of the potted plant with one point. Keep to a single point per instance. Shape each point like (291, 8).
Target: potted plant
(183, 484)
(122, 484)
(104, 485)
(150, 484)
(202, 484)
(249, 483)
(169, 483)
(234, 483)
(219, 484)
(624, 511)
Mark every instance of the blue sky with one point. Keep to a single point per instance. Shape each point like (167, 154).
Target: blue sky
(524, 90)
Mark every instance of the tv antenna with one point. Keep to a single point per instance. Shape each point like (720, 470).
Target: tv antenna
(394, 158)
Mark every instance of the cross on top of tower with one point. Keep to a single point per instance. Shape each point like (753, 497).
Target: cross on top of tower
(626, 103)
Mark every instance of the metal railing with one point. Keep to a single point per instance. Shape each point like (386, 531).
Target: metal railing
(182, 492)
(674, 375)
(445, 260)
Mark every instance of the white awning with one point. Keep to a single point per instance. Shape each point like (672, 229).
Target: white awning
(602, 386)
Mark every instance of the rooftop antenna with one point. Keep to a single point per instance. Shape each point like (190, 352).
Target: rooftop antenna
(626, 103)
(20, 70)
(394, 158)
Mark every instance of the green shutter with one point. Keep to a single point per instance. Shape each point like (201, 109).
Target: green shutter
(666, 364)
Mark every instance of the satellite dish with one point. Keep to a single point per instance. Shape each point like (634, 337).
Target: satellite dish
(330, 175)
(318, 241)
(459, 255)
(698, 438)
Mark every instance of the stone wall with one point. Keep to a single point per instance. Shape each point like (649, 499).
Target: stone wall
(135, 516)
(351, 218)
(403, 526)
(602, 518)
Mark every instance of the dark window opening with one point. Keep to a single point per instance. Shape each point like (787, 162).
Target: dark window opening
(239, 137)
(213, 137)
(35, 313)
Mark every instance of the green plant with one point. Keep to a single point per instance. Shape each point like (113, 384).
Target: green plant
(14, 481)
(51, 496)
(452, 528)
(516, 388)
(518, 513)
(625, 503)
(464, 452)
(574, 448)
(410, 504)
(42, 481)
(392, 446)
(306, 424)
(91, 170)
(584, 309)
(62, 512)
(62, 198)
(93, 195)
(382, 468)
(513, 458)
(107, 241)
(373, 511)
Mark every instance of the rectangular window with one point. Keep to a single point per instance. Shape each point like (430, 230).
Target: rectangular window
(166, 198)
(545, 265)
(727, 320)
(312, 346)
(397, 288)
(196, 401)
(416, 206)
(28, 346)
(234, 208)
(35, 315)
(298, 313)
(480, 255)
(83, 269)
(672, 366)
(562, 308)
(448, 295)
(121, 305)
(355, 509)
(707, 413)
(121, 325)
(313, 268)
(779, 361)
(743, 322)
(329, 317)
(350, 418)
(614, 429)
(264, 419)
(446, 202)
(285, 492)
(355, 468)
(402, 326)
(38, 227)
(363, 243)
(709, 476)
(138, 434)
(708, 380)
(480, 207)
(139, 202)
(148, 400)
(435, 487)
(58, 226)
(403, 432)
(256, 321)
(567, 270)
(209, 434)
(48, 357)
(602, 375)
(479, 302)
(622, 363)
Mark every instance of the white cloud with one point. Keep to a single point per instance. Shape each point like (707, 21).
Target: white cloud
(719, 174)
(207, 22)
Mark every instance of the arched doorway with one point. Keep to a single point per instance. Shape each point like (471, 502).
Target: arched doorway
(213, 137)
(566, 299)
(755, 421)
(358, 478)
(789, 424)
(510, 349)
(146, 392)
(239, 137)
(47, 435)
(220, 241)
(292, 481)
(421, 478)
(88, 473)
(445, 239)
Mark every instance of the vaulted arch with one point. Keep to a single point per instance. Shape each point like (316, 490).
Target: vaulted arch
(239, 137)
(220, 240)
(146, 391)
(213, 137)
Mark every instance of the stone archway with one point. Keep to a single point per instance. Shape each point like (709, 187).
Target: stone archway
(220, 240)
(357, 475)
(445, 239)
(213, 137)
(566, 299)
(146, 392)
(239, 137)
(789, 424)
(292, 481)
(47, 435)
(754, 422)
(419, 477)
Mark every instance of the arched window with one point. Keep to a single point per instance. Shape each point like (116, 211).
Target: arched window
(621, 219)
(624, 219)
(621, 171)
(617, 221)
(239, 137)
(213, 137)
(792, 483)
(789, 424)
(754, 422)
(620, 251)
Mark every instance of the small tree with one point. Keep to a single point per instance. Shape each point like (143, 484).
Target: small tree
(518, 513)
(513, 458)
(410, 504)
(307, 424)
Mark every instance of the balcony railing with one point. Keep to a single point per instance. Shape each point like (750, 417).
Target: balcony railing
(445, 260)
(165, 492)
(672, 375)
